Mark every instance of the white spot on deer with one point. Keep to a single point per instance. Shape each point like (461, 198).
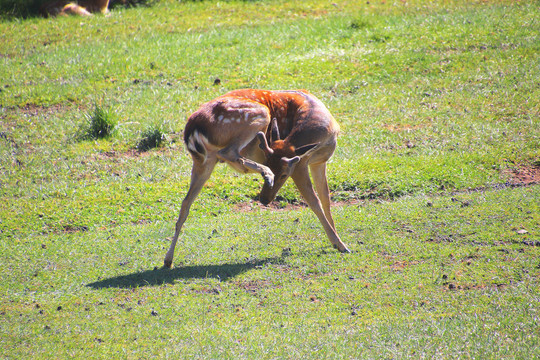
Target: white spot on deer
(220, 117)
(226, 120)
(259, 120)
(246, 115)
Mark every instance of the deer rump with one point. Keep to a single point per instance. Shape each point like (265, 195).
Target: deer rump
(222, 123)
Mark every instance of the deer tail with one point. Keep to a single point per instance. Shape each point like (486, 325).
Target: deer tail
(196, 143)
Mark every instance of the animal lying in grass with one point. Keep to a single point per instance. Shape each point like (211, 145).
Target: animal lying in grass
(80, 7)
(278, 134)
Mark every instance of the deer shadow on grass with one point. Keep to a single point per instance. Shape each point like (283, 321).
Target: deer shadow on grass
(163, 276)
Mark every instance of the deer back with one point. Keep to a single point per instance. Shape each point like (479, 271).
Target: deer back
(300, 117)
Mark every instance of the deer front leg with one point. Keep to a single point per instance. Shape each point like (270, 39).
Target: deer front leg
(303, 183)
(199, 174)
(232, 156)
(265, 171)
(318, 173)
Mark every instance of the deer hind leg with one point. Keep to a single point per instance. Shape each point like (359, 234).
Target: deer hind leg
(318, 173)
(303, 183)
(200, 173)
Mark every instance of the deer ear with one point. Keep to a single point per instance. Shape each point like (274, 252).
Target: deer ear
(304, 150)
(263, 144)
(275, 131)
(290, 163)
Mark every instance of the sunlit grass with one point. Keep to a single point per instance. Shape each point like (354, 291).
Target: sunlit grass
(437, 106)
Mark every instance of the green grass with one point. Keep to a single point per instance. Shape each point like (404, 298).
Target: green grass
(438, 107)
(150, 138)
(423, 281)
(99, 124)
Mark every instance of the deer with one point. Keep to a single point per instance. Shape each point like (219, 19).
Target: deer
(77, 7)
(278, 134)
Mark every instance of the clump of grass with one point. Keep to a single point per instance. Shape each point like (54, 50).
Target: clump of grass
(379, 38)
(360, 24)
(151, 138)
(100, 124)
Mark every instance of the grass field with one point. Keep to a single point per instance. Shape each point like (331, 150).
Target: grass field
(435, 184)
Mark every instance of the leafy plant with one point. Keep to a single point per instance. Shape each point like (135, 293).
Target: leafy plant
(100, 124)
(151, 138)
(360, 24)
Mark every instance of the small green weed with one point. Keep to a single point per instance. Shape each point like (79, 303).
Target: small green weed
(100, 124)
(379, 38)
(360, 24)
(151, 138)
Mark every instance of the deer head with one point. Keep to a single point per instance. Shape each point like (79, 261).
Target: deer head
(282, 158)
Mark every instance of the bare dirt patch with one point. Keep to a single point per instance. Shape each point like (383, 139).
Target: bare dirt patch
(36, 110)
(75, 228)
(400, 266)
(208, 291)
(404, 127)
(254, 286)
(274, 205)
(525, 175)
(132, 153)
(519, 176)
(13, 114)
(452, 286)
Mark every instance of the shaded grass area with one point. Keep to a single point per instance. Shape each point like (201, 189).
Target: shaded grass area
(23, 9)
(164, 276)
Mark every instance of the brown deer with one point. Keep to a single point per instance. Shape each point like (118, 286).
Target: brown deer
(77, 7)
(279, 134)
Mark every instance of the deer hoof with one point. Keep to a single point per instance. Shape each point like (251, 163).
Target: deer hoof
(343, 250)
(269, 180)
